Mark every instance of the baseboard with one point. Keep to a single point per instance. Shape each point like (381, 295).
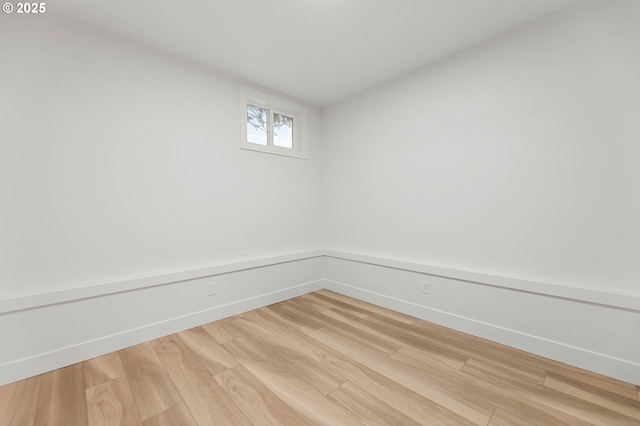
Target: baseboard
(587, 328)
(592, 336)
(52, 336)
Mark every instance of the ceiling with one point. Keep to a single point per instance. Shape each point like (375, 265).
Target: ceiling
(317, 51)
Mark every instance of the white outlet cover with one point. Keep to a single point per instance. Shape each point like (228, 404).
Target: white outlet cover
(212, 289)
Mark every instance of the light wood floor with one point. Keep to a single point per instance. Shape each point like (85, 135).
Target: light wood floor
(322, 358)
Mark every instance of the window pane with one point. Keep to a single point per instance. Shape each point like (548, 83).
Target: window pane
(282, 130)
(256, 125)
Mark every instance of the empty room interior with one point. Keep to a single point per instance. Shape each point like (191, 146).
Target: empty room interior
(320, 212)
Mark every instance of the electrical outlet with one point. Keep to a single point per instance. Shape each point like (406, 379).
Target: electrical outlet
(426, 287)
(244, 250)
(212, 289)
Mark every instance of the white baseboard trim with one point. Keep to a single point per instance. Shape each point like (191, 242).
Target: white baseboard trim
(254, 283)
(601, 363)
(44, 362)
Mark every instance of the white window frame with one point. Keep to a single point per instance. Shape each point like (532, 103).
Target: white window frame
(274, 104)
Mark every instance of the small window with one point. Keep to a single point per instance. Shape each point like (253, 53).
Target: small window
(257, 124)
(272, 125)
(282, 130)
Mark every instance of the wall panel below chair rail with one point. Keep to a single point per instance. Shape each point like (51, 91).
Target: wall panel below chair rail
(66, 330)
(540, 318)
(589, 328)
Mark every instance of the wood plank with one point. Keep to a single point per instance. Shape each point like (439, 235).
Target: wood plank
(112, 403)
(491, 393)
(467, 406)
(499, 395)
(312, 406)
(19, 402)
(575, 407)
(304, 323)
(208, 351)
(475, 347)
(295, 338)
(532, 401)
(204, 398)
(414, 344)
(220, 331)
(486, 391)
(255, 400)
(367, 408)
(306, 368)
(537, 402)
(417, 339)
(594, 395)
(364, 338)
(588, 377)
(371, 308)
(152, 389)
(176, 415)
(414, 405)
(480, 350)
(448, 359)
(465, 344)
(358, 323)
(504, 375)
(62, 397)
(609, 384)
(333, 303)
(504, 418)
(102, 369)
(309, 302)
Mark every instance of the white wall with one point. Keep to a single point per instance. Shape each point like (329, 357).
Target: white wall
(520, 157)
(118, 160)
(508, 177)
(124, 193)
